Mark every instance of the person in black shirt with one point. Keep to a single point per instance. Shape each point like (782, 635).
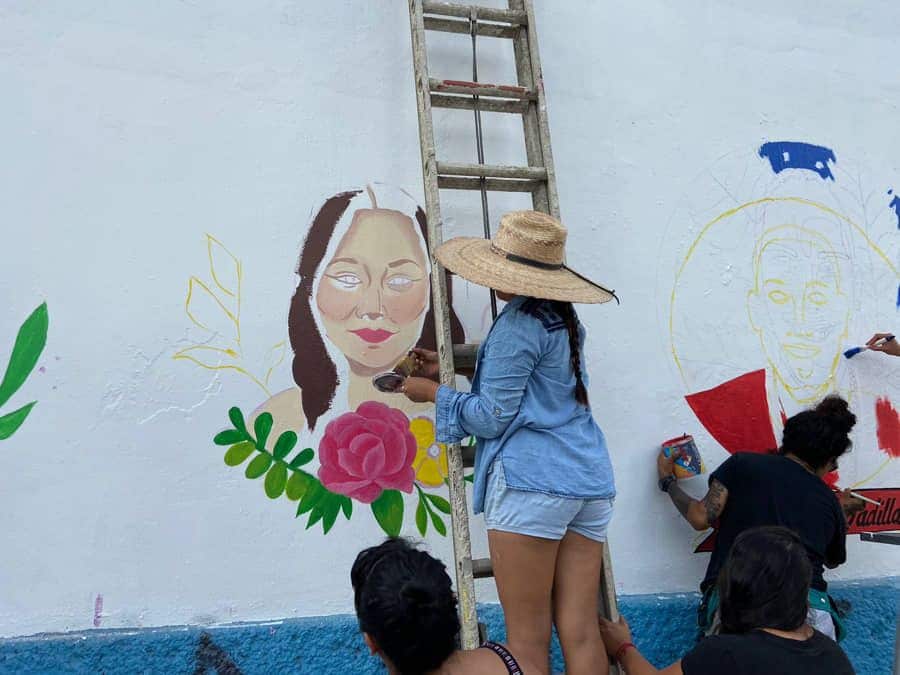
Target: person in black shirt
(763, 587)
(750, 490)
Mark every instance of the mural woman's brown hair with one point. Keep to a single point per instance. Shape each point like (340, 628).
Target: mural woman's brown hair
(314, 372)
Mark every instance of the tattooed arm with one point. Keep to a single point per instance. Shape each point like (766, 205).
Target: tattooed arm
(700, 514)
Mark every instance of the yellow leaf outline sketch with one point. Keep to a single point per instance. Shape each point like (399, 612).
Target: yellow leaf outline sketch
(213, 246)
(226, 272)
(194, 281)
(280, 348)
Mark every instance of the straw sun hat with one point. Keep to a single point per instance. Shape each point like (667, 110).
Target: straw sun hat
(525, 257)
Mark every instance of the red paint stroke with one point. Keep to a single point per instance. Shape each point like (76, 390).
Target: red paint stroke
(98, 610)
(831, 479)
(888, 427)
(884, 518)
(736, 413)
(708, 544)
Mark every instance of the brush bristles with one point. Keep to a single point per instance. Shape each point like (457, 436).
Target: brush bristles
(850, 353)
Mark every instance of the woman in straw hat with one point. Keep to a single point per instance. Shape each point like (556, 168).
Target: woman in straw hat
(543, 477)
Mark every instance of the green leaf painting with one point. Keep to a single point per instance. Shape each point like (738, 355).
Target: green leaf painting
(11, 422)
(30, 342)
(388, 511)
(284, 477)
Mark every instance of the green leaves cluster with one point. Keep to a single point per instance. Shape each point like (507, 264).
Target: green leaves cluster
(282, 476)
(30, 342)
(429, 505)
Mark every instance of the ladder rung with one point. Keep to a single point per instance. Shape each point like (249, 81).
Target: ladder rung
(513, 16)
(485, 104)
(464, 355)
(456, 26)
(480, 89)
(481, 568)
(491, 171)
(490, 184)
(468, 456)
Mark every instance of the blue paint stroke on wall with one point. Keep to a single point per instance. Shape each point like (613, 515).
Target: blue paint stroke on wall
(898, 297)
(895, 204)
(663, 625)
(792, 155)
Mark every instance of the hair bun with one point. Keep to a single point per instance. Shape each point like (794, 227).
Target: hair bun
(417, 594)
(837, 412)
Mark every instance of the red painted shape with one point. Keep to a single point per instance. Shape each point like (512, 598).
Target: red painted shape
(831, 479)
(888, 427)
(874, 518)
(708, 544)
(736, 413)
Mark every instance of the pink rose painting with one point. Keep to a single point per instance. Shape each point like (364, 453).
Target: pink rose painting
(366, 452)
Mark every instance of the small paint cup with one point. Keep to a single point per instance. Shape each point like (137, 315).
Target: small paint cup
(688, 461)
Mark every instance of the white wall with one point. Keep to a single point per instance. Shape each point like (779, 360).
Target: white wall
(129, 130)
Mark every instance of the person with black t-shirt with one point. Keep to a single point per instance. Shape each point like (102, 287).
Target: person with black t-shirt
(763, 588)
(751, 490)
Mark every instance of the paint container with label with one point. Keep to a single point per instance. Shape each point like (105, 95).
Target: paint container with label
(689, 463)
(392, 381)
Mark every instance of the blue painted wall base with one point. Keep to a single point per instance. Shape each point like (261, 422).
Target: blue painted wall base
(663, 626)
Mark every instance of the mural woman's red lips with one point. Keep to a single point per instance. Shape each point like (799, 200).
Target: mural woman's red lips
(370, 335)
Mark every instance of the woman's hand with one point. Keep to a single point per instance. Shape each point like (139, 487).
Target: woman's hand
(426, 363)
(665, 466)
(420, 389)
(891, 346)
(849, 503)
(614, 634)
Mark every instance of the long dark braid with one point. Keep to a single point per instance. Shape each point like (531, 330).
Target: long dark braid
(566, 312)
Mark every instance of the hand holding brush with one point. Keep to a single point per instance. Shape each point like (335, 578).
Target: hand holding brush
(880, 342)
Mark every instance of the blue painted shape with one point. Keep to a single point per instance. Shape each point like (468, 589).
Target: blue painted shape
(895, 204)
(664, 627)
(793, 155)
(898, 297)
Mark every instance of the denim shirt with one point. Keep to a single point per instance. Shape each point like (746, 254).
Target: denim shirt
(522, 410)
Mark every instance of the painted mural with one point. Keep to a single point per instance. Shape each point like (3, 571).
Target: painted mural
(30, 341)
(794, 255)
(362, 300)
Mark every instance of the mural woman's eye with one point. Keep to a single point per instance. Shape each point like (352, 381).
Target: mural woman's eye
(346, 281)
(400, 282)
(779, 297)
(817, 298)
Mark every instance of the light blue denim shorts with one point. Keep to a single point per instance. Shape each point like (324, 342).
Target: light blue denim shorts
(537, 514)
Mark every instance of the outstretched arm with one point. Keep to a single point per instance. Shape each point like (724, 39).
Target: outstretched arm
(617, 639)
(701, 514)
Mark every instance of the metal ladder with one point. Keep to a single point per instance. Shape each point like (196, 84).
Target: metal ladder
(526, 98)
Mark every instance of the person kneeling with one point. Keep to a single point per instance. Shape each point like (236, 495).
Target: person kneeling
(407, 613)
(763, 589)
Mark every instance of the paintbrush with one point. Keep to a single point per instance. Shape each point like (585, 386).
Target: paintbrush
(850, 353)
(865, 499)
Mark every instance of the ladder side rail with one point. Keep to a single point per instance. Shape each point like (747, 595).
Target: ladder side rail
(462, 546)
(540, 136)
(525, 77)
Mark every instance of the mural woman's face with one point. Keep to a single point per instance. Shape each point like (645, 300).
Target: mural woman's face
(374, 292)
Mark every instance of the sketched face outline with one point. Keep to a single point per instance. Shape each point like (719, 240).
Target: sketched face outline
(374, 291)
(799, 309)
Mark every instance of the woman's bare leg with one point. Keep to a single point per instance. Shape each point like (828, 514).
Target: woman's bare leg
(523, 569)
(576, 604)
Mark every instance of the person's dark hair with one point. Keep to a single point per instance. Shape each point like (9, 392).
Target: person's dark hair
(820, 435)
(565, 312)
(314, 372)
(404, 600)
(765, 581)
